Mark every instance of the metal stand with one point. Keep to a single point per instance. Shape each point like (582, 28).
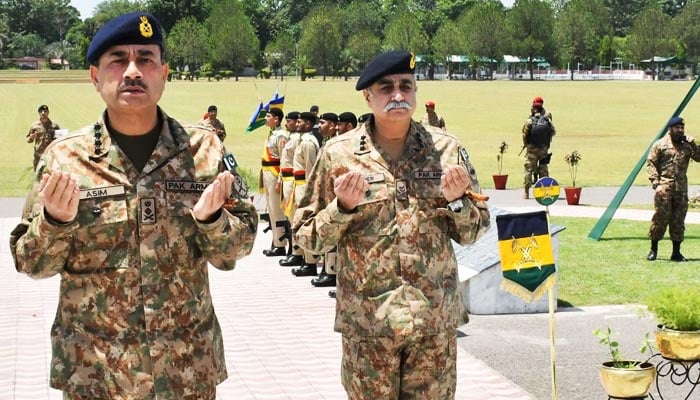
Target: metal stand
(679, 373)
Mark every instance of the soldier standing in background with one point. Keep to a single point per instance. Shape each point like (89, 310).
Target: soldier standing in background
(392, 195)
(346, 122)
(667, 165)
(431, 118)
(304, 158)
(274, 145)
(130, 211)
(212, 122)
(537, 132)
(295, 255)
(42, 133)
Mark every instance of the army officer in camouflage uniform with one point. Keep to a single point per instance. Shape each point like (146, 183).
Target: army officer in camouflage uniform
(128, 212)
(392, 194)
(667, 166)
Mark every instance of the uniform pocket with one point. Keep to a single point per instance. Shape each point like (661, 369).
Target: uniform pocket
(101, 241)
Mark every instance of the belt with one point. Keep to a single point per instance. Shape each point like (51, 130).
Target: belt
(271, 163)
(299, 176)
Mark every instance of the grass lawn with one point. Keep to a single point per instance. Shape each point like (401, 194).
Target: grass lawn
(611, 123)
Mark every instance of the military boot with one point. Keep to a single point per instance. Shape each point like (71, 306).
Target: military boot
(324, 279)
(275, 251)
(654, 250)
(292, 261)
(676, 254)
(305, 270)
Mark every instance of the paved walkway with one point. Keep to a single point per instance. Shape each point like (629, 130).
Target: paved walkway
(277, 329)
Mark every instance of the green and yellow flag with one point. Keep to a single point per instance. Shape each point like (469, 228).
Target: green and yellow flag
(527, 259)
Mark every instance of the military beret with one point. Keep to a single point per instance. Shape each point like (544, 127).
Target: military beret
(537, 101)
(212, 108)
(430, 103)
(348, 117)
(364, 118)
(293, 115)
(277, 112)
(333, 117)
(308, 116)
(674, 122)
(131, 28)
(314, 108)
(43, 107)
(392, 62)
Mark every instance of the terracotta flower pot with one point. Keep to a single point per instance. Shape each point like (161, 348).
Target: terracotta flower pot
(573, 195)
(499, 181)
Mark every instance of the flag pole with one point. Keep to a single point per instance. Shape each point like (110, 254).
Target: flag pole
(553, 353)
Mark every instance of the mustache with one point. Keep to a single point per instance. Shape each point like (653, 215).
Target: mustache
(133, 82)
(397, 104)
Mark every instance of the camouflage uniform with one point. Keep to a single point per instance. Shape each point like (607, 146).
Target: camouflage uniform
(305, 156)
(270, 173)
(667, 166)
(535, 154)
(215, 125)
(434, 120)
(45, 133)
(135, 318)
(397, 282)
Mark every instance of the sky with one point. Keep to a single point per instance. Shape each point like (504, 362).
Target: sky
(86, 6)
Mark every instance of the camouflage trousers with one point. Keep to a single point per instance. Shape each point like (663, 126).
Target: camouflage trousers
(670, 210)
(532, 164)
(391, 368)
(207, 395)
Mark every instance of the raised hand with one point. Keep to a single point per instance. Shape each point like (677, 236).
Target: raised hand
(213, 197)
(350, 189)
(454, 182)
(59, 193)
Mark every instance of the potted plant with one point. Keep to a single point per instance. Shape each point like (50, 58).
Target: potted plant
(623, 378)
(499, 180)
(676, 309)
(573, 192)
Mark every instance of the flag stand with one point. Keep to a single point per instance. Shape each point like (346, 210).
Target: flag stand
(553, 353)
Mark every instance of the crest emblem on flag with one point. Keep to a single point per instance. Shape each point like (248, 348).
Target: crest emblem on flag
(527, 258)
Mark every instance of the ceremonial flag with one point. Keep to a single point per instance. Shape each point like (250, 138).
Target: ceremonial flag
(258, 118)
(527, 259)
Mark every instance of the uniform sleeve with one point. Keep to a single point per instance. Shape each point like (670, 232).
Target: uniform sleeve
(39, 247)
(526, 130)
(318, 223)
(652, 160)
(231, 236)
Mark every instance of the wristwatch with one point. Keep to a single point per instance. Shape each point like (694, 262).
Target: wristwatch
(654, 185)
(455, 205)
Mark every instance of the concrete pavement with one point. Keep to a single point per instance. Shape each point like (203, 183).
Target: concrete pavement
(278, 329)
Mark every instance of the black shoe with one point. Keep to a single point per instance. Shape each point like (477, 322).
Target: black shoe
(305, 270)
(678, 257)
(331, 294)
(324, 280)
(292, 261)
(651, 256)
(275, 252)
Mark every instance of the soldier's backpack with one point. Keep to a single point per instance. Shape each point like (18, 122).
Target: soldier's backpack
(540, 131)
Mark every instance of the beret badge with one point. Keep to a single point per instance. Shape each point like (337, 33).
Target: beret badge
(145, 27)
(412, 63)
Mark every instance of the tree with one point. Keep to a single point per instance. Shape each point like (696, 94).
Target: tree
(321, 40)
(403, 32)
(579, 29)
(446, 43)
(232, 38)
(673, 7)
(169, 12)
(482, 39)
(110, 9)
(623, 12)
(187, 43)
(687, 31)
(531, 24)
(279, 52)
(363, 46)
(29, 45)
(650, 35)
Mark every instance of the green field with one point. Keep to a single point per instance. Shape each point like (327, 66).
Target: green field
(611, 123)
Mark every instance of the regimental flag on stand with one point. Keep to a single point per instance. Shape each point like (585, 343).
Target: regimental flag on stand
(258, 118)
(527, 258)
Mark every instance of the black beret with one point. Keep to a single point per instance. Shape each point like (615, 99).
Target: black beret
(314, 108)
(212, 108)
(348, 117)
(329, 117)
(308, 116)
(43, 107)
(131, 28)
(392, 62)
(293, 115)
(364, 118)
(675, 121)
(277, 112)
